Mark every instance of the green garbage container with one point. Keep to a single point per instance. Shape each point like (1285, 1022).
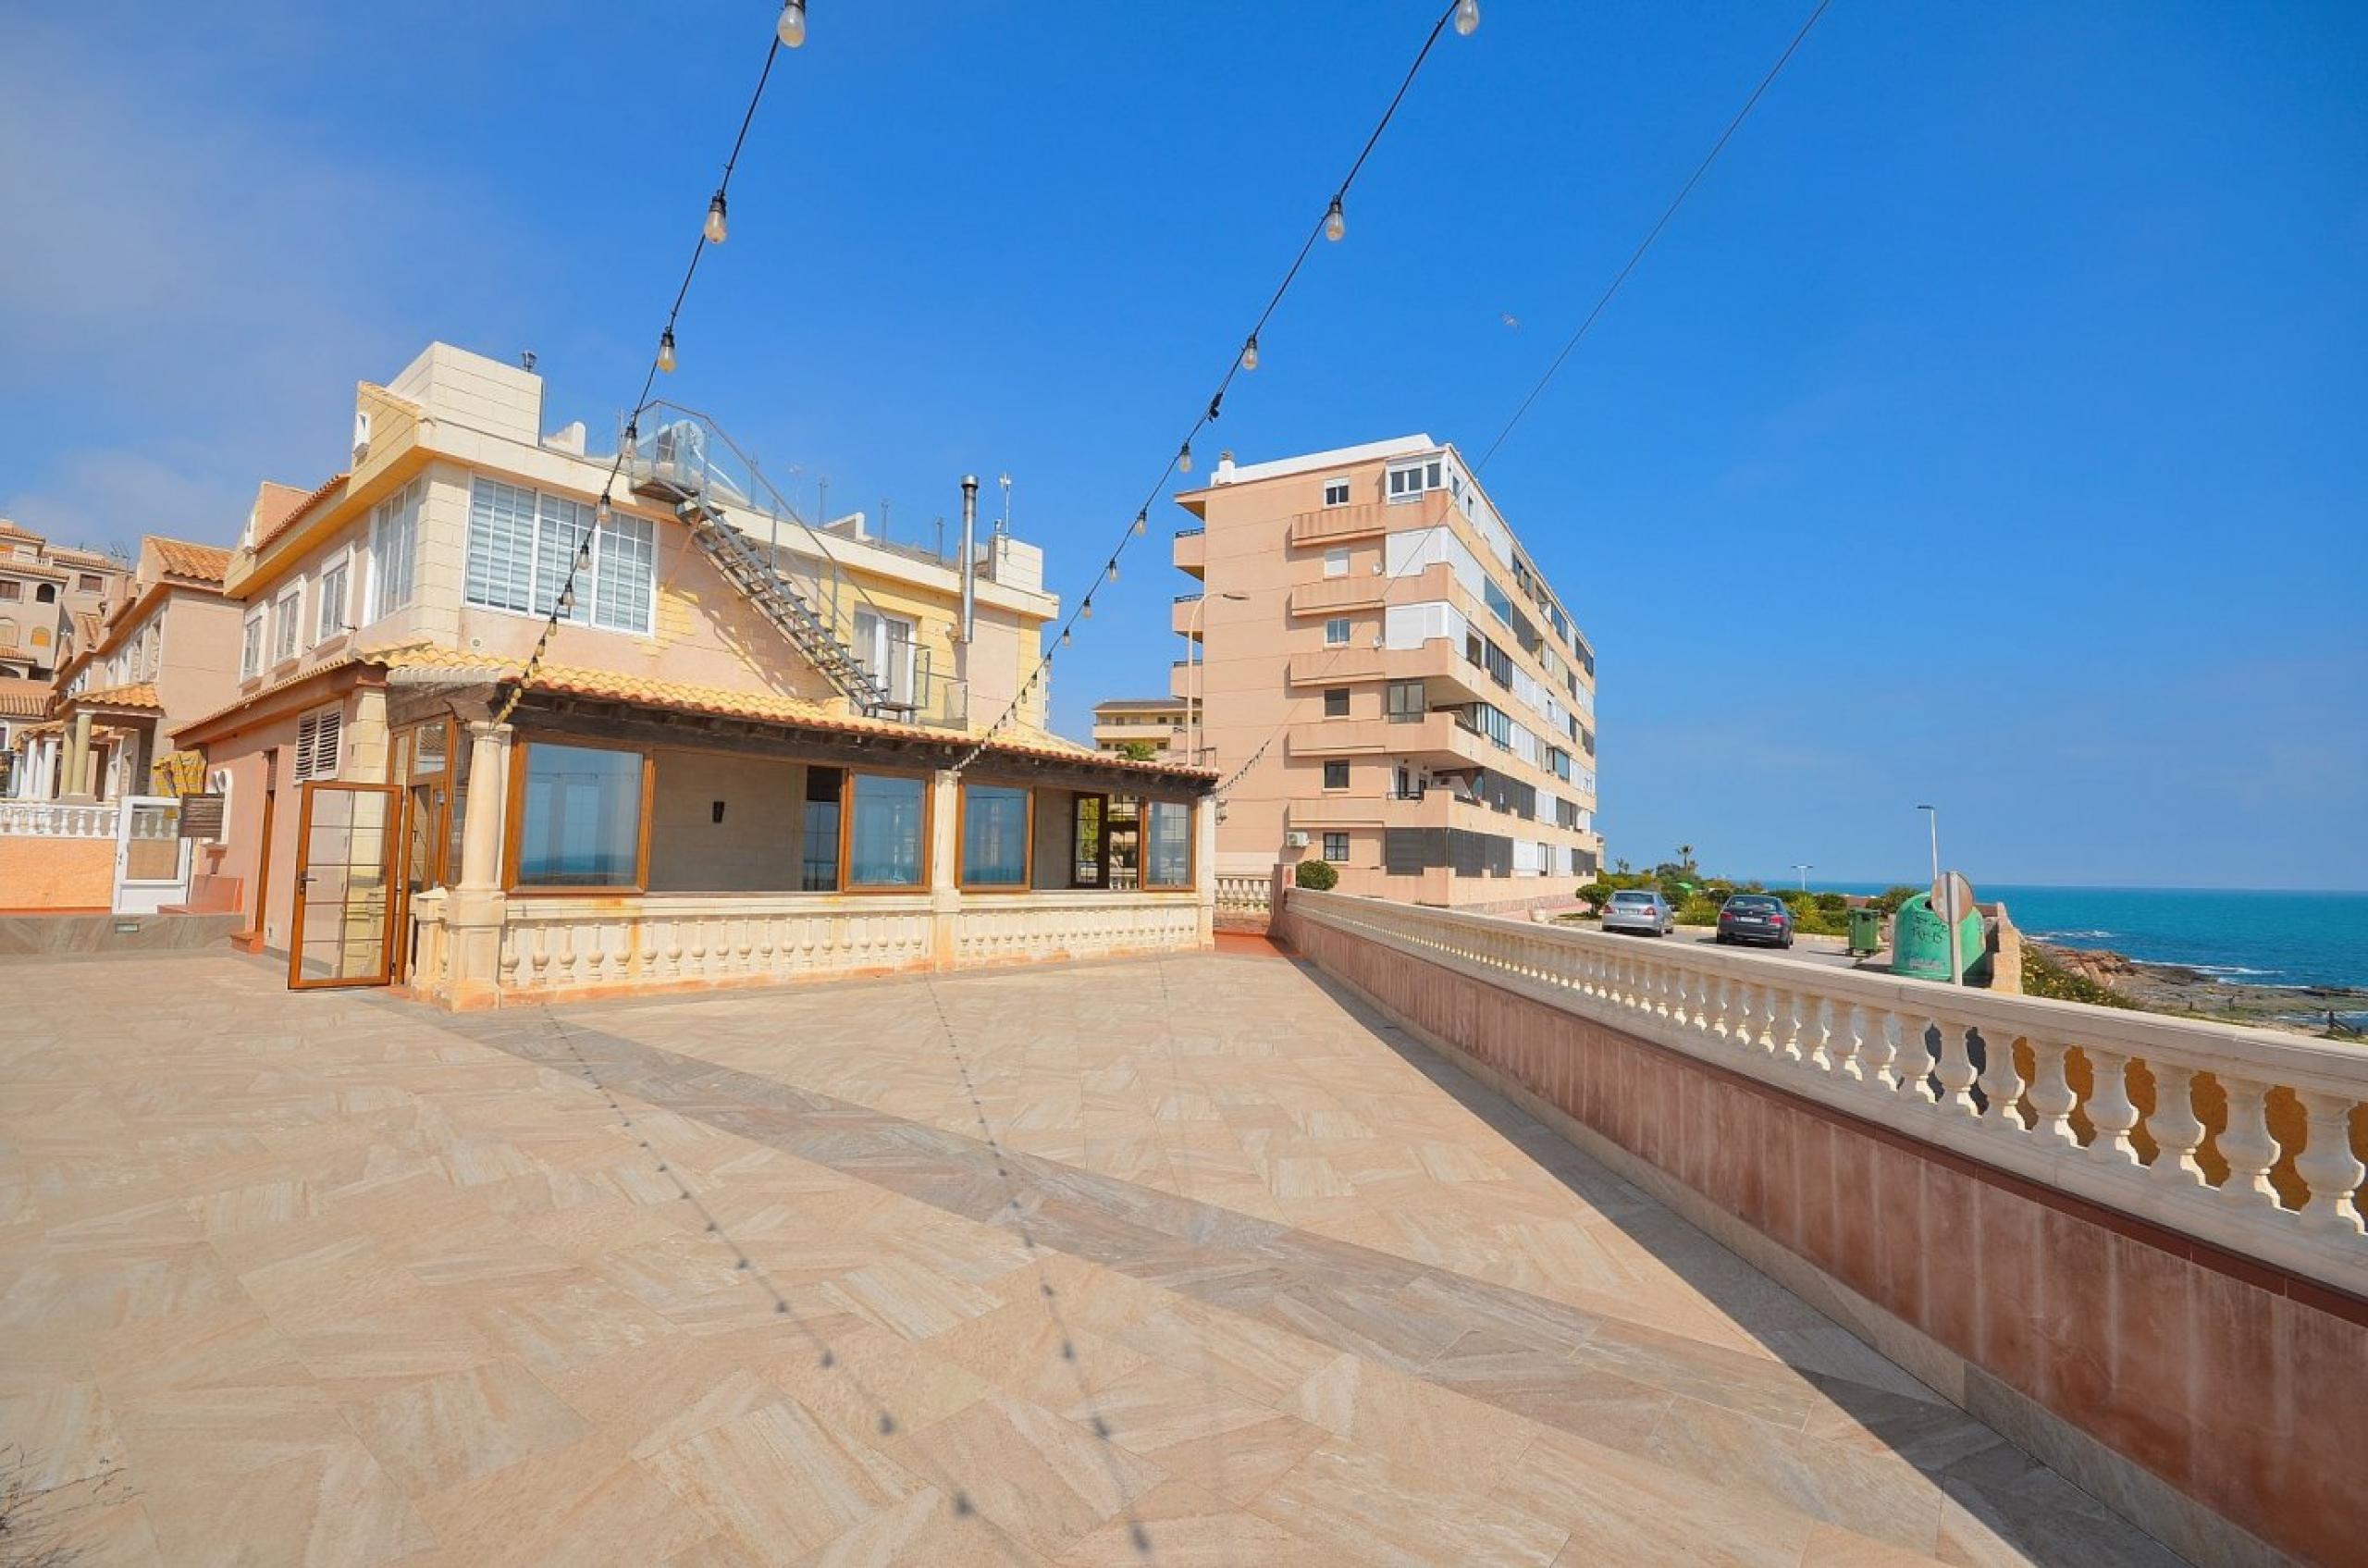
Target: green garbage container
(1866, 932)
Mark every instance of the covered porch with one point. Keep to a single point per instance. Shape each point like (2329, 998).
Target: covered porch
(610, 842)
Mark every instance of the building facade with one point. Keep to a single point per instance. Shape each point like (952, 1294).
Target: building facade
(750, 750)
(1124, 723)
(48, 591)
(1412, 701)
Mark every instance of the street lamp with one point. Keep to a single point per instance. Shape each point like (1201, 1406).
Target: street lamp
(1197, 714)
(1804, 868)
(1948, 896)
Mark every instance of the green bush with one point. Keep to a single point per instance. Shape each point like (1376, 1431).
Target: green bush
(1699, 913)
(1892, 898)
(1316, 876)
(1831, 903)
(1596, 894)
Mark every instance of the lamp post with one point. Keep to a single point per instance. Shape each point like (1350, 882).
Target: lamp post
(1804, 868)
(1948, 896)
(1198, 712)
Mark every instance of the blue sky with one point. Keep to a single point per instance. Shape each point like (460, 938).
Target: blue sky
(1991, 426)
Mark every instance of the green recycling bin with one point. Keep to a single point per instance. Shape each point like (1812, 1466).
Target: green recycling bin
(1866, 932)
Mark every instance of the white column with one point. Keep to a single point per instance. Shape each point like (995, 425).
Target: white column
(475, 916)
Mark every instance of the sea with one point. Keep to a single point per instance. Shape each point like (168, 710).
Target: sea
(2290, 941)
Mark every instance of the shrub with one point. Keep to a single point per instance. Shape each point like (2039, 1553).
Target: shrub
(1316, 876)
(1892, 898)
(1831, 903)
(1699, 913)
(1596, 894)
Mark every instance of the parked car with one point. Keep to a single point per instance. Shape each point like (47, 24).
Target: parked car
(1639, 910)
(1756, 917)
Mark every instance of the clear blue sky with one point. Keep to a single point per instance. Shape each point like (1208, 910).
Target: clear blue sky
(1991, 427)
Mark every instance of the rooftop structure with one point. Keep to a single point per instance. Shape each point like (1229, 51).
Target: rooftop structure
(1123, 722)
(45, 590)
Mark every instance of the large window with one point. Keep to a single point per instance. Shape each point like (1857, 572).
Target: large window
(580, 813)
(333, 598)
(994, 836)
(285, 615)
(1408, 702)
(250, 648)
(887, 831)
(1167, 843)
(394, 550)
(1413, 479)
(521, 543)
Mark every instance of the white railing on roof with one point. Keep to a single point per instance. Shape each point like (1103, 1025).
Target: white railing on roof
(50, 819)
(1940, 1063)
(1253, 891)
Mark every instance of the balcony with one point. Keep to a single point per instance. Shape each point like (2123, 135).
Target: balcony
(1184, 617)
(1433, 737)
(1191, 552)
(1338, 666)
(1355, 590)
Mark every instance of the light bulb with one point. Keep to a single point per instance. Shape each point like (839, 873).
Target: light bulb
(1065, 637)
(1335, 222)
(1114, 570)
(1085, 610)
(666, 350)
(1250, 353)
(792, 26)
(1184, 459)
(715, 220)
(1141, 521)
(1467, 16)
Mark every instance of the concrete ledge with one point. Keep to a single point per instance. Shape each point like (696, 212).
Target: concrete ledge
(65, 935)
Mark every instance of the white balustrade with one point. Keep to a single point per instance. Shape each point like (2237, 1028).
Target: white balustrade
(1026, 927)
(1244, 891)
(1857, 1040)
(52, 818)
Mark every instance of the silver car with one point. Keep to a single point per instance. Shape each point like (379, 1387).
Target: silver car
(1639, 909)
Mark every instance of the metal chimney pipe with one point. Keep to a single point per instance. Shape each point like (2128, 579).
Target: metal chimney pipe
(969, 553)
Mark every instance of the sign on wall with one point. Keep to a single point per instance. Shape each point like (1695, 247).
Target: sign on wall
(201, 816)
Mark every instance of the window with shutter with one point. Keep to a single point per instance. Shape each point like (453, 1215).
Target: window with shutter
(318, 737)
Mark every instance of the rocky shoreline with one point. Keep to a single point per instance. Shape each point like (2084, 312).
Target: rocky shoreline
(2171, 988)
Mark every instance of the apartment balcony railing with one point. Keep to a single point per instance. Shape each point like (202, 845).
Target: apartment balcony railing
(1191, 551)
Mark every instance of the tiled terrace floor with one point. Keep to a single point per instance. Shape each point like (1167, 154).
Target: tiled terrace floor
(1240, 1279)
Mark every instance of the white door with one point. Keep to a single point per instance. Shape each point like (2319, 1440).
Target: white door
(151, 856)
(884, 643)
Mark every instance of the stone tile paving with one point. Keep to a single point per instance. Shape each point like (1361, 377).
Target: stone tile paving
(1180, 1262)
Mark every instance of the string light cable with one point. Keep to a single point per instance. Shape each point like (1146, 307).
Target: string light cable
(789, 33)
(1332, 226)
(1655, 233)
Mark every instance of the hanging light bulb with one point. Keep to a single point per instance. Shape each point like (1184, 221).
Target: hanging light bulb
(1184, 459)
(1250, 353)
(1114, 569)
(1335, 222)
(715, 220)
(1142, 520)
(791, 28)
(1467, 16)
(1065, 637)
(1085, 609)
(666, 350)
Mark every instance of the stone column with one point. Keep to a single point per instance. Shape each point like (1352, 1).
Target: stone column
(475, 913)
(77, 783)
(945, 866)
(1205, 868)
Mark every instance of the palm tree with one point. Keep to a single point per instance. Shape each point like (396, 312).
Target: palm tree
(1685, 856)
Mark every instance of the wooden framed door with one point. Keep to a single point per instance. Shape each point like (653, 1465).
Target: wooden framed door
(343, 932)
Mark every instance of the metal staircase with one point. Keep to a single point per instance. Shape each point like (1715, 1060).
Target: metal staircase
(794, 582)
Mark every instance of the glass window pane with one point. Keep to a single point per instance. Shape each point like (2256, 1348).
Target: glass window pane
(819, 871)
(501, 545)
(1168, 849)
(994, 836)
(627, 562)
(581, 821)
(885, 834)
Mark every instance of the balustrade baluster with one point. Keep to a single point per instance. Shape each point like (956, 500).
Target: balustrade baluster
(1911, 1065)
(2328, 1166)
(1955, 1069)
(2052, 1095)
(2246, 1145)
(2109, 1107)
(2002, 1080)
(2175, 1126)
(1840, 1041)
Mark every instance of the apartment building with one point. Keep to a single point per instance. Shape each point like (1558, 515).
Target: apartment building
(750, 749)
(167, 651)
(1121, 723)
(48, 592)
(1414, 702)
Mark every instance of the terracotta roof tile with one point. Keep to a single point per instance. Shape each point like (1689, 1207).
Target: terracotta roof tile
(135, 694)
(268, 528)
(13, 531)
(22, 698)
(205, 564)
(89, 627)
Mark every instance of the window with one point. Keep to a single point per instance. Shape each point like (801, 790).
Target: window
(394, 550)
(820, 870)
(886, 832)
(1336, 702)
(580, 816)
(1408, 702)
(1336, 631)
(521, 543)
(1167, 843)
(1336, 775)
(1411, 480)
(330, 613)
(90, 583)
(251, 649)
(1500, 603)
(1336, 562)
(320, 735)
(1336, 848)
(283, 626)
(1335, 492)
(13, 592)
(1497, 662)
(45, 594)
(994, 836)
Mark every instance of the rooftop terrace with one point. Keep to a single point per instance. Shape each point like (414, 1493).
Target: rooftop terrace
(1185, 1261)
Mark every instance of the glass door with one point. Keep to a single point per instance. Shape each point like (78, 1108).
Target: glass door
(345, 845)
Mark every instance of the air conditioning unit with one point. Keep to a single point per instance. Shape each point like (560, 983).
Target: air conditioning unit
(1296, 838)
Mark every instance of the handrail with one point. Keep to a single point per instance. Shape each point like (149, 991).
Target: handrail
(1938, 1062)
